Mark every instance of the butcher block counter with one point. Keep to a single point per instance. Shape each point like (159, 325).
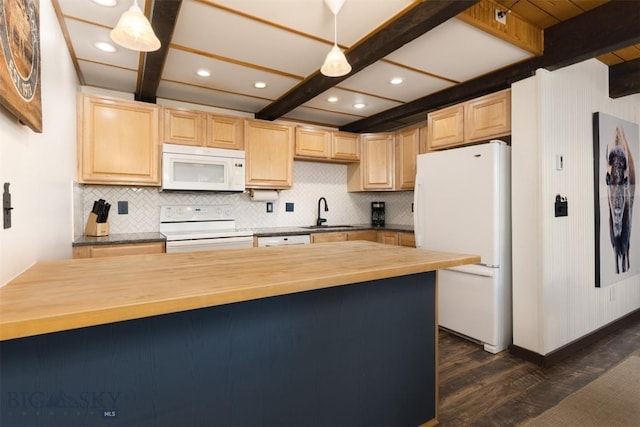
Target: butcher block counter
(260, 336)
(59, 295)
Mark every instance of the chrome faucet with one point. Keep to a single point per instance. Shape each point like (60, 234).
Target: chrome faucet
(326, 209)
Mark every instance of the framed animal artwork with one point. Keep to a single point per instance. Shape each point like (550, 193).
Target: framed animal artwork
(20, 85)
(616, 153)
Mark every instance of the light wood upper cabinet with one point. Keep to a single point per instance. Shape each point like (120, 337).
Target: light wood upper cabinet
(376, 168)
(193, 127)
(407, 146)
(118, 141)
(225, 132)
(423, 132)
(345, 146)
(445, 127)
(269, 154)
(488, 116)
(472, 121)
(183, 126)
(325, 145)
(312, 143)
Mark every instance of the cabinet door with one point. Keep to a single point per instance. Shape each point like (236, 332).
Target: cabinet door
(370, 235)
(406, 154)
(182, 126)
(225, 132)
(312, 143)
(388, 237)
(445, 127)
(118, 142)
(488, 116)
(423, 147)
(328, 237)
(269, 154)
(377, 155)
(344, 146)
(99, 251)
(407, 239)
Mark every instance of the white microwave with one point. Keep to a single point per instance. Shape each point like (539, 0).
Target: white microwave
(191, 168)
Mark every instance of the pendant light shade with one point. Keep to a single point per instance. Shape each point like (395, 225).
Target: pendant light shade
(134, 31)
(335, 64)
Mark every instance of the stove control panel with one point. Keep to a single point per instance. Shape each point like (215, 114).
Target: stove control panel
(183, 213)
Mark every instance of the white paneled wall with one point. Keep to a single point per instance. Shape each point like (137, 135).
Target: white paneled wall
(311, 181)
(555, 298)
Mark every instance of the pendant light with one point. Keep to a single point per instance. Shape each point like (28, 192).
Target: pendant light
(335, 64)
(134, 31)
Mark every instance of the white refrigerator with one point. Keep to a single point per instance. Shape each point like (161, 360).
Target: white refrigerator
(462, 203)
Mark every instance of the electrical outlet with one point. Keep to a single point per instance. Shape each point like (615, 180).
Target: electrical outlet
(501, 17)
(288, 207)
(269, 207)
(123, 207)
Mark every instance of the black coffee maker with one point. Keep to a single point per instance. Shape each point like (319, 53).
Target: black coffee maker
(377, 214)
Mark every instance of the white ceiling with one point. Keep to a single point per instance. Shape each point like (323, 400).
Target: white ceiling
(281, 42)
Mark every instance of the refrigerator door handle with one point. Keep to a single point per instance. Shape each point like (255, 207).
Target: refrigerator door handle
(474, 269)
(417, 231)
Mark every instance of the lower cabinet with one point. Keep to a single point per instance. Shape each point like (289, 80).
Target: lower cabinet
(381, 236)
(328, 237)
(388, 237)
(98, 251)
(407, 239)
(371, 235)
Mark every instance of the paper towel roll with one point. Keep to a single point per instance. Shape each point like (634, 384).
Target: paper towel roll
(264, 195)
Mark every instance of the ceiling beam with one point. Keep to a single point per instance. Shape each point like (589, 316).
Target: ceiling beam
(413, 23)
(565, 43)
(610, 27)
(163, 21)
(624, 79)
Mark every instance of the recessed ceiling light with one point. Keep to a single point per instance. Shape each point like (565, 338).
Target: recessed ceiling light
(259, 85)
(107, 3)
(359, 105)
(105, 47)
(396, 80)
(203, 73)
(332, 99)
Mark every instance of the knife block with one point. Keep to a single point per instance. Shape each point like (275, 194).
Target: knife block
(95, 228)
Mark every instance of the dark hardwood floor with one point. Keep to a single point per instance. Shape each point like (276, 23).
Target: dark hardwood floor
(482, 389)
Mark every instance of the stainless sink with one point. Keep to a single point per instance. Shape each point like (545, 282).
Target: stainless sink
(327, 227)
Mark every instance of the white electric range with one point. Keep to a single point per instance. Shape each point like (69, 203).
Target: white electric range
(202, 228)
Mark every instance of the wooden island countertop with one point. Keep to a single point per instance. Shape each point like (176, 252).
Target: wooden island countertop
(61, 295)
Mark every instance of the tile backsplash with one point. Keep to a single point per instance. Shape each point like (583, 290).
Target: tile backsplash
(311, 181)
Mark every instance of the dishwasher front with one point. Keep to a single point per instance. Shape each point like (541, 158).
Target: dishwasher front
(297, 239)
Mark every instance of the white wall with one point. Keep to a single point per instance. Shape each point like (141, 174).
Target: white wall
(41, 167)
(555, 298)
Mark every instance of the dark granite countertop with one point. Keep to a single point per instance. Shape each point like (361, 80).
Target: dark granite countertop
(292, 231)
(123, 238)
(114, 239)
